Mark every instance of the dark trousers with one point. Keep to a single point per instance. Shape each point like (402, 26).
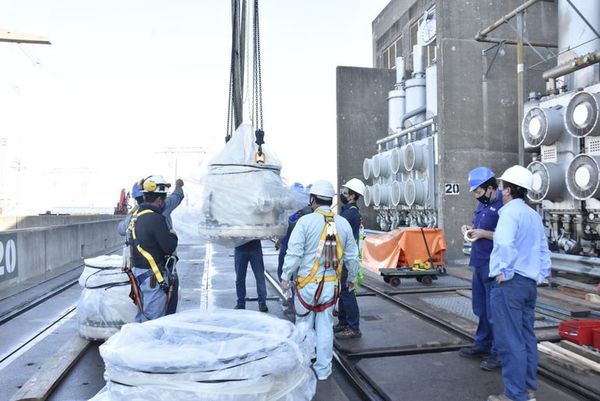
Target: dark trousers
(481, 289)
(280, 260)
(251, 252)
(513, 308)
(348, 313)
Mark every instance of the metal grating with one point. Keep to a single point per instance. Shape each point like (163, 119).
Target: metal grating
(592, 145)
(549, 154)
(461, 306)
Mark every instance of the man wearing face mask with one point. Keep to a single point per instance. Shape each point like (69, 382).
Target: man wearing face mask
(482, 183)
(348, 312)
(152, 245)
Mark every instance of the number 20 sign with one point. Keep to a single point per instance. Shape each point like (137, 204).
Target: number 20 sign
(8, 256)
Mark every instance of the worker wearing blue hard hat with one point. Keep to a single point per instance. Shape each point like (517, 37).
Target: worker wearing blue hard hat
(519, 261)
(482, 183)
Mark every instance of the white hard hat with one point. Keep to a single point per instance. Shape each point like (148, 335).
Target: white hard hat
(322, 189)
(155, 184)
(355, 185)
(518, 175)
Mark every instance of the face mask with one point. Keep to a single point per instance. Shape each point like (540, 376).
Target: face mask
(344, 199)
(484, 199)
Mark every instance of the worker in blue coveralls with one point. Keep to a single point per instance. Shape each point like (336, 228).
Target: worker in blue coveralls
(282, 243)
(348, 312)
(482, 184)
(250, 252)
(152, 245)
(170, 204)
(320, 242)
(520, 260)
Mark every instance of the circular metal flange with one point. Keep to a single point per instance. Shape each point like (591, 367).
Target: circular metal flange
(582, 177)
(581, 117)
(542, 126)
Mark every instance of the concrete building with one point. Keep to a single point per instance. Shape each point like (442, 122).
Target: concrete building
(471, 98)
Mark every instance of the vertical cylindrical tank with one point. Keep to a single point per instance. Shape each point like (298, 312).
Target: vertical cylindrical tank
(415, 98)
(396, 108)
(575, 38)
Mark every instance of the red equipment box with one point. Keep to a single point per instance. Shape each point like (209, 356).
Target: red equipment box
(578, 331)
(596, 338)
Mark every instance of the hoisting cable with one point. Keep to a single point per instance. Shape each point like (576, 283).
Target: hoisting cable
(257, 89)
(230, 105)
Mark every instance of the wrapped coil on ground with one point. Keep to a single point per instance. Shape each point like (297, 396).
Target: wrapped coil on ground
(219, 356)
(104, 305)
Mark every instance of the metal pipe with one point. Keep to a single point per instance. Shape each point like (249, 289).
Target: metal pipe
(411, 114)
(511, 41)
(484, 32)
(576, 264)
(520, 86)
(571, 66)
(406, 131)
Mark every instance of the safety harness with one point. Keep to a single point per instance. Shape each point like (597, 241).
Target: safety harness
(331, 248)
(166, 281)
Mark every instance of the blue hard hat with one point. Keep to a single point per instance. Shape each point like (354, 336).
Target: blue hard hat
(298, 187)
(478, 176)
(136, 191)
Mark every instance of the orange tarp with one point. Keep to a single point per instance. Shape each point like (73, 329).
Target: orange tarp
(402, 247)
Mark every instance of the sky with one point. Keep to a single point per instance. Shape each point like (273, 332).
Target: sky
(124, 82)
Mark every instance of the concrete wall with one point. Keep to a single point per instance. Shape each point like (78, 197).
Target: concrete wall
(42, 253)
(362, 117)
(478, 121)
(47, 220)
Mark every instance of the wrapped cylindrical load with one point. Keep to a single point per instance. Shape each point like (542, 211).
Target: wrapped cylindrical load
(219, 356)
(244, 199)
(104, 305)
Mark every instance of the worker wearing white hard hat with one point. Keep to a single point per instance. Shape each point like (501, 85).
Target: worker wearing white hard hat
(318, 245)
(348, 312)
(520, 260)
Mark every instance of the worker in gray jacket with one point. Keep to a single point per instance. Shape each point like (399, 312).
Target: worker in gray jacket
(318, 245)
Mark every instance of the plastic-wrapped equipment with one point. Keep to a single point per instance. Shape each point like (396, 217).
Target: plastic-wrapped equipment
(244, 199)
(104, 305)
(224, 355)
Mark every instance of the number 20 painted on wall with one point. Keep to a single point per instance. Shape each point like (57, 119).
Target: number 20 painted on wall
(8, 257)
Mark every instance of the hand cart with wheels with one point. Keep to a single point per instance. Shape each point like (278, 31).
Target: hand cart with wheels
(423, 271)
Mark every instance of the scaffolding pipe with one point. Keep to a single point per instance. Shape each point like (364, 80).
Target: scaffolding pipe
(510, 41)
(571, 66)
(406, 131)
(484, 32)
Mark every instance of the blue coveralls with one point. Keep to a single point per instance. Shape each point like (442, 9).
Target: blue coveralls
(522, 256)
(348, 312)
(249, 252)
(484, 218)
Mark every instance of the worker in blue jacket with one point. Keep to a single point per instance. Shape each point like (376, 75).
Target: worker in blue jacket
(152, 244)
(519, 261)
(482, 183)
(348, 312)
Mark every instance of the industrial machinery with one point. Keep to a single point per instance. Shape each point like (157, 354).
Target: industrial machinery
(123, 204)
(401, 177)
(561, 133)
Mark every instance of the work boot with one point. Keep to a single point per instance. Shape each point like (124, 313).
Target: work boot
(531, 395)
(263, 307)
(239, 306)
(490, 363)
(499, 397)
(339, 327)
(348, 333)
(473, 352)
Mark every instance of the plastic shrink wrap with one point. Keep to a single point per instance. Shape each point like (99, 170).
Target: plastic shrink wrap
(242, 198)
(104, 305)
(219, 356)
